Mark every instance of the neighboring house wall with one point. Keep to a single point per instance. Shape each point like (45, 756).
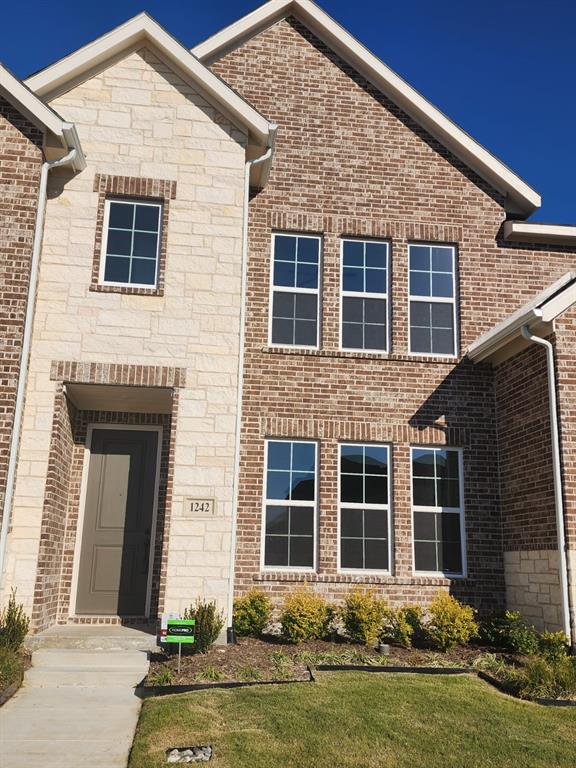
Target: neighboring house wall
(348, 162)
(527, 488)
(137, 119)
(20, 165)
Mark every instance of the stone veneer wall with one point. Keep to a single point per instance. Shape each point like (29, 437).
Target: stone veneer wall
(138, 119)
(533, 586)
(20, 165)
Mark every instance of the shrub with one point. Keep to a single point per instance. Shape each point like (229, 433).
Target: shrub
(541, 678)
(553, 645)
(14, 624)
(252, 613)
(305, 616)
(510, 632)
(401, 625)
(162, 676)
(450, 622)
(209, 623)
(10, 667)
(362, 615)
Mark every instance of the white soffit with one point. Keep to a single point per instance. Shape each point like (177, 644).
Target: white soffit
(531, 232)
(40, 114)
(520, 197)
(104, 397)
(539, 313)
(86, 61)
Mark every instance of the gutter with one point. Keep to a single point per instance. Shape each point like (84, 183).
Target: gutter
(75, 158)
(230, 633)
(558, 485)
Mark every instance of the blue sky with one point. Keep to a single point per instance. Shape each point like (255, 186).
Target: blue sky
(504, 70)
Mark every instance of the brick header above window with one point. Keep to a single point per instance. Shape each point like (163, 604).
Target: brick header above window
(131, 187)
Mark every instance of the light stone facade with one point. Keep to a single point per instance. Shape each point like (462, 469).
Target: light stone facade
(533, 587)
(138, 118)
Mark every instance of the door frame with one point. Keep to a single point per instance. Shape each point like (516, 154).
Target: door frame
(82, 507)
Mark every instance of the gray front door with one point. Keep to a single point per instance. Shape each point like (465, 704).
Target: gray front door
(114, 556)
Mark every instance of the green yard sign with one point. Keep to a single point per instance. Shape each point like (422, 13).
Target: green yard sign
(179, 631)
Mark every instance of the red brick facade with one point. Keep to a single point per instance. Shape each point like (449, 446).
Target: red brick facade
(20, 165)
(348, 162)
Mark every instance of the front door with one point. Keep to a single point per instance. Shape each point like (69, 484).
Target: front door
(116, 536)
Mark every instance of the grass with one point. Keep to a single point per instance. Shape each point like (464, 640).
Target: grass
(360, 720)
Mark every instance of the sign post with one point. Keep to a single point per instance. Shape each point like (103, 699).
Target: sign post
(176, 630)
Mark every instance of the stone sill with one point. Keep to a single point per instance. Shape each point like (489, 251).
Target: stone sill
(348, 578)
(384, 357)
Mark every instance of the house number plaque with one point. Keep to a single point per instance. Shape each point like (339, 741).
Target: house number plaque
(200, 507)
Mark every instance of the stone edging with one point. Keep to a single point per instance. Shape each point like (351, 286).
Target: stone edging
(7, 693)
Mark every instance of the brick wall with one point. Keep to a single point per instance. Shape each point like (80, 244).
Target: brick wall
(20, 164)
(349, 162)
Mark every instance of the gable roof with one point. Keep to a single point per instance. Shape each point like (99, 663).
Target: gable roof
(60, 132)
(520, 198)
(139, 30)
(505, 339)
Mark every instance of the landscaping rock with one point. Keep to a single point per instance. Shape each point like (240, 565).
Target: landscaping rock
(189, 754)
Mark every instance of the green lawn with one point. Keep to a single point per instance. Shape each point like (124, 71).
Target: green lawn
(360, 720)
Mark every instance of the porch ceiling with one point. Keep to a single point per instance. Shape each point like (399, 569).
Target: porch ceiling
(105, 397)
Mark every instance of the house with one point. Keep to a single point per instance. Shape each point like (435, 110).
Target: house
(291, 325)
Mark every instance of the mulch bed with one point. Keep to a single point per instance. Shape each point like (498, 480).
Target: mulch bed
(270, 658)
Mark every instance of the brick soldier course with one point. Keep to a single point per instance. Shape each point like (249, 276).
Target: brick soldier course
(348, 162)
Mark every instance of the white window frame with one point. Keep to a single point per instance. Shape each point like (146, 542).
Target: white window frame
(388, 507)
(454, 300)
(365, 295)
(422, 508)
(286, 289)
(105, 232)
(284, 503)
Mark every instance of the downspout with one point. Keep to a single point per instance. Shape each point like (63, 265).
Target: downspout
(230, 634)
(70, 157)
(558, 487)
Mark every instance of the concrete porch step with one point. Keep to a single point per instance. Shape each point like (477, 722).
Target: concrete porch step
(103, 677)
(78, 658)
(94, 637)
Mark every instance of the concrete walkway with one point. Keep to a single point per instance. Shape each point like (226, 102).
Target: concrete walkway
(76, 707)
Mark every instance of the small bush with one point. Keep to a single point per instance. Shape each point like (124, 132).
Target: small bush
(252, 613)
(540, 678)
(402, 625)
(14, 624)
(10, 667)
(362, 615)
(282, 663)
(211, 673)
(209, 623)
(305, 616)
(163, 676)
(249, 673)
(511, 633)
(553, 645)
(450, 622)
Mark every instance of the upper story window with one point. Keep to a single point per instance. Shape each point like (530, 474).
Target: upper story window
(364, 312)
(290, 505)
(131, 243)
(432, 299)
(438, 511)
(295, 290)
(364, 507)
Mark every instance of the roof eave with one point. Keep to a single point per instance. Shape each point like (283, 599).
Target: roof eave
(532, 232)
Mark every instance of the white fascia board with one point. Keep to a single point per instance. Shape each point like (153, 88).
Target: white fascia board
(43, 116)
(531, 232)
(543, 308)
(142, 28)
(520, 197)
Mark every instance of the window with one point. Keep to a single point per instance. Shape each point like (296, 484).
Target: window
(131, 243)
(295, 299)
(432, 299)
(290, 504)
(438, 511)
(364, 507)
(364, 309)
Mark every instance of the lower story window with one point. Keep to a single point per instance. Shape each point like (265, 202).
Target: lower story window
(438, 511)
(364, 507)
(290, 504)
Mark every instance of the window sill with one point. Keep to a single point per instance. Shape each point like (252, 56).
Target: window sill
(129, 290)
(360, 355)
(348, 578)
